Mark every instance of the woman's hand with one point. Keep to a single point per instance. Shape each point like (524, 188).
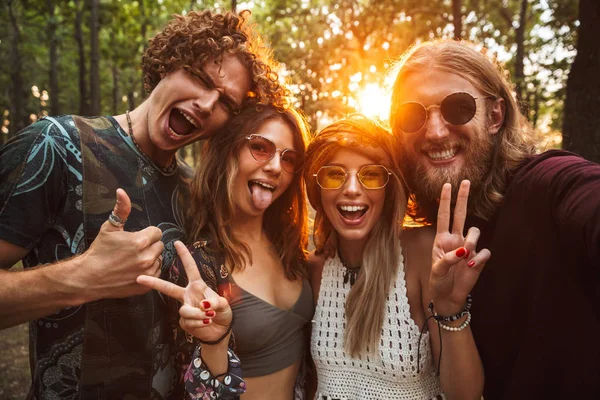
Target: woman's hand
(204, 313)
(455, 264)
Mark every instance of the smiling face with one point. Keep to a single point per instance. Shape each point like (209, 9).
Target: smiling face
(441, 152)
(184, 108)
(352, 209)
(258, 184)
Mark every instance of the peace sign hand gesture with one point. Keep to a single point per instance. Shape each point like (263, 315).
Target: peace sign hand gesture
(455, 264)
(204, 313)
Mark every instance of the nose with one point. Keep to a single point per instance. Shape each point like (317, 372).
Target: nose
(206, 103)
(274, 164)
(352, 186)
(436, 128)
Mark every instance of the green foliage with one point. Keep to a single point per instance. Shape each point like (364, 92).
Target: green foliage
(329, 50)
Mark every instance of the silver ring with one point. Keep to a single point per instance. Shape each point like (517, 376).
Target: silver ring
(115, 220)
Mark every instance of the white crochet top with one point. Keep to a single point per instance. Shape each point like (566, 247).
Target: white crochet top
(392, 375)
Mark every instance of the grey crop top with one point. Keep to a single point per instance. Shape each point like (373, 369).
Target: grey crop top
(269, 339)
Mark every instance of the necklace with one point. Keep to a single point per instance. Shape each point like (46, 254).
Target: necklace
(350, 273)
(169, 170)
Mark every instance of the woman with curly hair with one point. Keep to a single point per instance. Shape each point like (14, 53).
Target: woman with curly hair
(244, 273)
(373, 282)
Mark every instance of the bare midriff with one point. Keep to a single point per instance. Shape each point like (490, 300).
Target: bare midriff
(278, 385)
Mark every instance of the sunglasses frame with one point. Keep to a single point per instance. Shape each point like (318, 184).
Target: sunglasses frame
(389, 173)
(282, 152)
(440, 107)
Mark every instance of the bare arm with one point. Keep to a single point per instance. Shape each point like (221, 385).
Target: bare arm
(447, 277)
(315, 271)
(96, 274)
(26, 295)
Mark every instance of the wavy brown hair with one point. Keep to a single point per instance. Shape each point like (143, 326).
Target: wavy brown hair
(212, 207)
(189, 41)
(510, 146)
(365, 305)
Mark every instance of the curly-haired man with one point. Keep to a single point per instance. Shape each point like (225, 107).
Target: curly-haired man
(94, 332)
(536, 304)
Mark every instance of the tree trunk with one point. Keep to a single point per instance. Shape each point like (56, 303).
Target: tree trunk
(234, 6)
(519, 68)
(18, 117)
(143, 30)
(581, 126)
(457, 18)
(53, 48)
(95, 59)
(83, 93)
(115, 90)
(130, 100)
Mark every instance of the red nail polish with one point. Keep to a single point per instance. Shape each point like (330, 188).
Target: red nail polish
(461, 252)
(206, 304)
(210, 313)
(468, 252)
(471, 263)
(206, 321)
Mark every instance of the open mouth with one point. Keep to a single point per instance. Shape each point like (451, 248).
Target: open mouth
(261, 194)
(352, 213)
(441, 155)
(181, 123)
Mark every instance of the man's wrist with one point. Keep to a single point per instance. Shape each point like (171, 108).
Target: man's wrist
(64, 277)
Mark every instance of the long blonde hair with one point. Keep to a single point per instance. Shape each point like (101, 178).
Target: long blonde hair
(212, 205)
(511, 144)
(365, 305)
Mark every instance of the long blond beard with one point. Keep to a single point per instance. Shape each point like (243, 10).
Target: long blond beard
(427, 182)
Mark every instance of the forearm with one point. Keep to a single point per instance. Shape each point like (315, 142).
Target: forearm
(37, 292)
(215, 356)
(200, 376)
(461, 370)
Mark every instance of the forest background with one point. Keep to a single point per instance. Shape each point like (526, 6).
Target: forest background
(83, 57)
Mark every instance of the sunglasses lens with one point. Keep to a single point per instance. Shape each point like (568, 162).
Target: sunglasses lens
(458, 108)
(331, 177)
(261, 149)
(291, 161)
(411, 117)
(373, 176)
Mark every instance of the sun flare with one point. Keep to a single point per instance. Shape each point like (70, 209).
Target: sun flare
(374, 102)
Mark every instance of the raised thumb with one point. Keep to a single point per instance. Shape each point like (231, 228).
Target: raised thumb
(121, 211)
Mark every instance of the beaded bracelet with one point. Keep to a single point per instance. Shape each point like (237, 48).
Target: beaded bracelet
(456, 328)
(454, 317)
(219, 340)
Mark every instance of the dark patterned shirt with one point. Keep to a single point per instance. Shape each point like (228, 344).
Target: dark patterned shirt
(58, 179)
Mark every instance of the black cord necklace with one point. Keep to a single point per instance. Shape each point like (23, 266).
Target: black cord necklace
(350, 273)
(164, 170)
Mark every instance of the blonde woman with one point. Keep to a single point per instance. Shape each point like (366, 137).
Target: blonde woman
(373, 282)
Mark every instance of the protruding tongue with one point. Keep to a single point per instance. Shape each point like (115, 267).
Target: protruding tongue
(261, 196)
(179, 123)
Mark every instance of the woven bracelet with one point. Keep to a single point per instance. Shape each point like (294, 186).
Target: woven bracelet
(466, 310)
(219, 340)
(456, 328)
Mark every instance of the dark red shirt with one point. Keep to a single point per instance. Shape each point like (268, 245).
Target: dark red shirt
(536, 306)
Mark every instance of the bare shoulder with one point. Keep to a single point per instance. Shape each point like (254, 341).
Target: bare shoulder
(314, 264)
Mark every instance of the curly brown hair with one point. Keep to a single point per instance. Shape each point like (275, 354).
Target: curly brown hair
(189, 41)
